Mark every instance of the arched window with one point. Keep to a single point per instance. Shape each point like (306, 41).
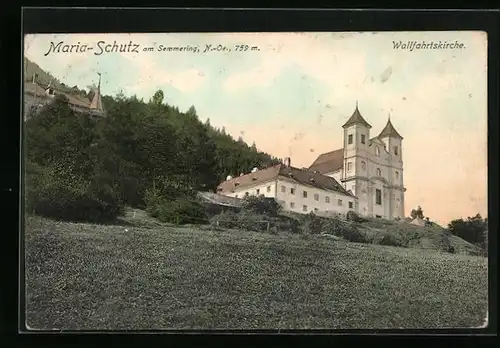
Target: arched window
(379, 173)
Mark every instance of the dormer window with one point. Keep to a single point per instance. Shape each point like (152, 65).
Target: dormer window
(349, 139)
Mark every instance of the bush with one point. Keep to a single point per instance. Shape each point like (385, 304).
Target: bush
(261, 205)
(180, 211)
(312, 224)
(353, 216)
(63, 196)
(347, 231)
(390, 240)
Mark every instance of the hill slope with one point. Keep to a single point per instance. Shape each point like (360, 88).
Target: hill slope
(82, 276)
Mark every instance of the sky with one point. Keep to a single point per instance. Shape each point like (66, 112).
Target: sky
(292, 92)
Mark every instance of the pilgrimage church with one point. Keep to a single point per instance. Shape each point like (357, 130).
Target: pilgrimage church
(370, 167)
(364, 176)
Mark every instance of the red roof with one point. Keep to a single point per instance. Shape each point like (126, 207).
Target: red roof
(302, 176)
(328, 162)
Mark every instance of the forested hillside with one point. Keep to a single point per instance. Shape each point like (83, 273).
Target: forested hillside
(85, 169)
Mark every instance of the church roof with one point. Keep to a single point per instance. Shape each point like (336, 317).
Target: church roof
(356, 118)
(302, 176)
(328, 162)
(389, 131)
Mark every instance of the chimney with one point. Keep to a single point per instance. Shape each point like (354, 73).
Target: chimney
(287, 162)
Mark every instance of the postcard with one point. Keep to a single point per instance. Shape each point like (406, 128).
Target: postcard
(256, 181)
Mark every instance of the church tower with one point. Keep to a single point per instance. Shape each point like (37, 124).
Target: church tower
(356, 147)
(97, 101)
(393, 144)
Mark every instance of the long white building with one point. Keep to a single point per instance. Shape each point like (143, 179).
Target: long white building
(297, 190)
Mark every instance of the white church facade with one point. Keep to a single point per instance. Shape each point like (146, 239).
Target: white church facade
(371, 168)
(364, 176)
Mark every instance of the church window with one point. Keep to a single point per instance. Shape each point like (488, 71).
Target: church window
(340, 202)
(304, 194)
(379, 172)
(377, 151)
(349, 166)
(362, 139)
(316, 197)
(327, 199)
(363, 165)
(351, 205)
(304, 208)
(349, 139)
(396, 150)
(378, 197)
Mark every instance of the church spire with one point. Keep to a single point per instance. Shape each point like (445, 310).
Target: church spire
(389, 130)
(96, 101)
(356, 118)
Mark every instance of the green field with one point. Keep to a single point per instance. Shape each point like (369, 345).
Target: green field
(82, 276)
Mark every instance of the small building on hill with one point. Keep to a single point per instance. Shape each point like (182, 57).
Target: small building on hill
(296, 190)
(418, 222)
(36, 95)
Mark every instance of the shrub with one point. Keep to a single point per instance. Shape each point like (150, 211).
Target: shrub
(312, 224)
(353, 216)
(181, 211)
(228, 219)
(261, 205)
(61, 195)
(390, 240)
(347, 231)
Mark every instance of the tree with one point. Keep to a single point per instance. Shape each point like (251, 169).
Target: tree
(254, 147)
(473, 230)
(158, 97)
(417, 213)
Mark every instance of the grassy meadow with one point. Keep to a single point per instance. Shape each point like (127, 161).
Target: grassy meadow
(149, 275)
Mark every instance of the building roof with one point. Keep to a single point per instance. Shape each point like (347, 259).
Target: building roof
(356, 118)
(389, 131)
(74, 99)
(301, 176)
(217, 199)
(328, 162)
